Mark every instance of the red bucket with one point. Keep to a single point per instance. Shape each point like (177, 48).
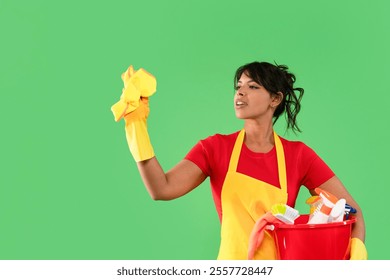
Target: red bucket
(302, 241)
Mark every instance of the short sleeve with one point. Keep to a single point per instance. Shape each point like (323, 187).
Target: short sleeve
(199, 155)
(316, 171)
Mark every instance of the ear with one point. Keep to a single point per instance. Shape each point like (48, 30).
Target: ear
(277, 99)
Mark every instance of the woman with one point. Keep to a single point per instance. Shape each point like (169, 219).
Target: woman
(250, 170)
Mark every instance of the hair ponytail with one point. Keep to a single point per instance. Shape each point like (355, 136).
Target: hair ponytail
(291, 103)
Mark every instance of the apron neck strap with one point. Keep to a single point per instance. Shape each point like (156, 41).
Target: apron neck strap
(279, 154)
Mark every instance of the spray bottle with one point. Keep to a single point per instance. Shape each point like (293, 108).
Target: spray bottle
(337, 213)
(321, 214)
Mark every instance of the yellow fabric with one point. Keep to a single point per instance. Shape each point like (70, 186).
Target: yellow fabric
(137, 84)
(133, 106)
(245, 200)
(358, 249)
(137, 133)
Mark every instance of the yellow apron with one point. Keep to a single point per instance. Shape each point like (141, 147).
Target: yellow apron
(244, 200)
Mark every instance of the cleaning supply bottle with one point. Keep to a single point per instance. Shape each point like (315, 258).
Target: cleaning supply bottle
(313, 202)
(321, 214)
(337, 213)
(349, 210)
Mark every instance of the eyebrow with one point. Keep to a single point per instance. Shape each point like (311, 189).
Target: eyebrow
(248, 81)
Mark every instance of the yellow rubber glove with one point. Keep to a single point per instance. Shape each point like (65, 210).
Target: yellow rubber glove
(133, 106)
(358, 249)
(137, 133)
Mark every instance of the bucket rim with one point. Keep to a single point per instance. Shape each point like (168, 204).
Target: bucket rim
(326, 225)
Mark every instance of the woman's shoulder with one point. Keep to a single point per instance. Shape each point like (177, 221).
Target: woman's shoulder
(296, 147)
(221, 138)
(220, 141)
(225, 137)
(293, 143)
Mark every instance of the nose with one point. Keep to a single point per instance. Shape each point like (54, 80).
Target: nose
(240, 92)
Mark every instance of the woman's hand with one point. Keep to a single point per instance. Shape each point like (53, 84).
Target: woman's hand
(134, 107)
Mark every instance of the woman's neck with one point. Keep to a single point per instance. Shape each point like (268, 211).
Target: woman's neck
(259, 137)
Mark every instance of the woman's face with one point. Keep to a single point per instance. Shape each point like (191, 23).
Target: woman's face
(251, 100)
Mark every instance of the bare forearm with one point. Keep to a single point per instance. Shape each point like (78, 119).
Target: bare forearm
(154, 177)
(336, 187)
(359, 229)
(181, 179)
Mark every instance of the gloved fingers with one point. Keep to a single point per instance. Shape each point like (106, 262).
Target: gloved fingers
(120, 109)
(256, 236)
(358, 250)
(139, 113)
(254, 243)
(145, 100)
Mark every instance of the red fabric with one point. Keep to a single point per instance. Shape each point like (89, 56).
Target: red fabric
(304, 166)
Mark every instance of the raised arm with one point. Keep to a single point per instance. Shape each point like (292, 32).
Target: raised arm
(133, 106)
(181, 179)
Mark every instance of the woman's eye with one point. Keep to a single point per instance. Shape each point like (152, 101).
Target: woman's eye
(251, 87)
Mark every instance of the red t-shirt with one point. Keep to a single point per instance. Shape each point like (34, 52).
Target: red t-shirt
(303, 165)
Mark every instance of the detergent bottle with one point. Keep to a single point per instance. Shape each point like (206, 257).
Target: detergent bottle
(322, 212)
(313, 202)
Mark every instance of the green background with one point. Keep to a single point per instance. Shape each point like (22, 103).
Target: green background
(69, 188)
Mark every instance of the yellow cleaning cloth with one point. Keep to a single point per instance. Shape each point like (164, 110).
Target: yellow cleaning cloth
(137, 84)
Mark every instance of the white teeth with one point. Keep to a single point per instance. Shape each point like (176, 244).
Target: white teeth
(239, 103)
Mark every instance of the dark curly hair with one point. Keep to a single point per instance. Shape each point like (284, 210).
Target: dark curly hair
(276, 78)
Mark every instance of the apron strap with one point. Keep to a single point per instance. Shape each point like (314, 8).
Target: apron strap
(281, 163)
(279, 154)
(236, 152)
